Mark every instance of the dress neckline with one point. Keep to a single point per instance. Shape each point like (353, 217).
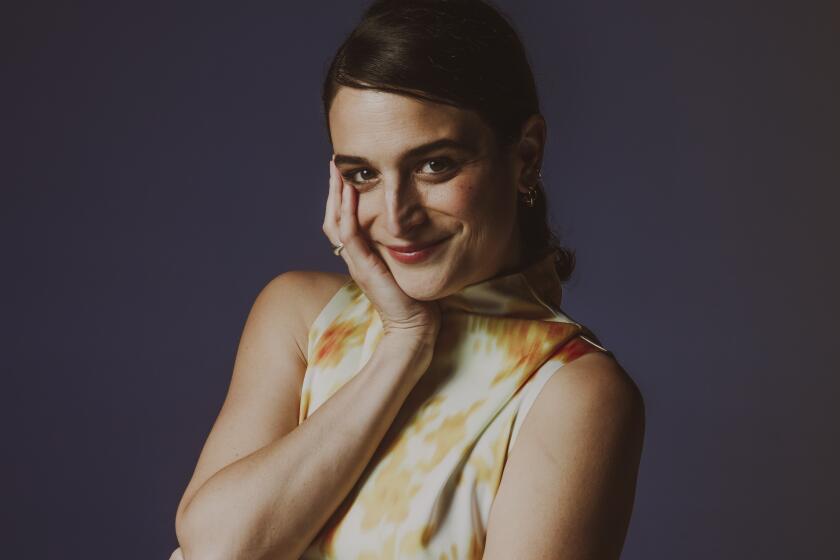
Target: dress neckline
(534, 291)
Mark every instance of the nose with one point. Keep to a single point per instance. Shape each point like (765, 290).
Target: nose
(404, 209)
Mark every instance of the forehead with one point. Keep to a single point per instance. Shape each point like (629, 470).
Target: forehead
(375, 123)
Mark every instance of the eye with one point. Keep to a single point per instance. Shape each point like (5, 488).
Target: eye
(438, 165)
(350, 176)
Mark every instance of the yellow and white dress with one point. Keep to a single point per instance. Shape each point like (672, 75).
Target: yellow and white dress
(428, 489)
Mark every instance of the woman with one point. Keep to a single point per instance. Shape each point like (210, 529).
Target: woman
(374, 415)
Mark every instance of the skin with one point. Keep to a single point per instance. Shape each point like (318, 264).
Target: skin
(568, 485)
(466, 195)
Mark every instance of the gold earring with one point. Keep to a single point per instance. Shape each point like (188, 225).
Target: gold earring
(530, 198)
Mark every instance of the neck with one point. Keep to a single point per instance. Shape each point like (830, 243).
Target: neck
(514, 259)
(517, 259)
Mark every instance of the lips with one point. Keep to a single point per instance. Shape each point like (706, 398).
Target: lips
(414, 247)
(411, 254)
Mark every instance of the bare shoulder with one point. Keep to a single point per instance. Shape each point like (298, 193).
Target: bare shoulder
(309, 291)
(595, 382)
(315, 289)
(568, 486)
(312, 290)
(263, 399)
(583, 401)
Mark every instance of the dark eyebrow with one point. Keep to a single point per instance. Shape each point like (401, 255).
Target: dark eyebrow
(413, 152)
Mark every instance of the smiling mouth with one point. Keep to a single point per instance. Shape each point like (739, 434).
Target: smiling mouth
(408, 249)
(418, 255)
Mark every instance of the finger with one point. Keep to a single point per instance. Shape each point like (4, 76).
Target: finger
(347, 227)
(332, 219)
(331, 213)
(336, 182)
(357, 246)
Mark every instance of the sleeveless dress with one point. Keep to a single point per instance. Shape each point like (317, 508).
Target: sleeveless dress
(428, 489)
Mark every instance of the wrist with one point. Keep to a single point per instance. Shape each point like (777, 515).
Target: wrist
(411, 339)
(415, 347)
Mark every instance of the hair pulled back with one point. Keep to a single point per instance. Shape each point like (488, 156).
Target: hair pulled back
(463, 53)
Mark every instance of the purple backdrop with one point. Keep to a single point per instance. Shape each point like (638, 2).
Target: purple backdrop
(163, 161)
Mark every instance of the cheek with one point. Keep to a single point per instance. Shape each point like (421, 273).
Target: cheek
(475, 200)
(457, 198)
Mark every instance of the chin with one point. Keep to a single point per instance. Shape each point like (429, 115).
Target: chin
(423, 286)
(425, 296)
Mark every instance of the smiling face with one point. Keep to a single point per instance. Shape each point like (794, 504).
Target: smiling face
(426, 172)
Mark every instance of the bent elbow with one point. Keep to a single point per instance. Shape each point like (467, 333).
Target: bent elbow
(193, 541)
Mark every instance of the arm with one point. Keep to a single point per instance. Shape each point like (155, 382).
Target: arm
(264, 486)
(568, 486)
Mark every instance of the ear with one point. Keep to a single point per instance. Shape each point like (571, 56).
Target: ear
(529, 151)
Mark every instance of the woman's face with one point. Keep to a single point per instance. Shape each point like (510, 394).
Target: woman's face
(427, 172)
